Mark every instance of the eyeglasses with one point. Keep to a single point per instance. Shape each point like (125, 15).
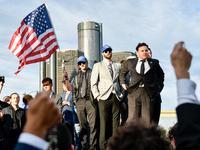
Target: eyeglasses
(80, 63)
(108, 50)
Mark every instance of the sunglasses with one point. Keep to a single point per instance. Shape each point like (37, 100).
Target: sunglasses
(108, 50)
(80, 63)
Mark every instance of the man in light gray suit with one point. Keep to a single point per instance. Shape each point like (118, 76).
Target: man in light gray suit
(108, 92)
(47, 86)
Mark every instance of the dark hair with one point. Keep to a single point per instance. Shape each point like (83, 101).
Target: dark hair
(149, 49)
(6, 99)
(13, 94)
(27, 98)
(137, 136)
(173, 132)
(47, 79)
(122, 62)
(140, 45)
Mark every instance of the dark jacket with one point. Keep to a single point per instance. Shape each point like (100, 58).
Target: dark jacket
(8, 116)
(58, 100)
(3, 105)
(188, 131)
(153, 79)
(77, 86)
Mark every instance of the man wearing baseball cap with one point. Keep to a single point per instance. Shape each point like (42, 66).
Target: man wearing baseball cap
(83, 100)
(107, 90)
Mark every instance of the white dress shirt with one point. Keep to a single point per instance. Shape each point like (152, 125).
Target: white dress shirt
(146, 66)
(33, 140)
(186, 92)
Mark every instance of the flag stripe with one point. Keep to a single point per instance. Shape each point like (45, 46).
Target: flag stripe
(18, 39)
(15, 37)
(44, 54)
(41, 50)
(45, 57)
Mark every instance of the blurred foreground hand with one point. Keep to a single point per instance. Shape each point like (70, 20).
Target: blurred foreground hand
(42, 115)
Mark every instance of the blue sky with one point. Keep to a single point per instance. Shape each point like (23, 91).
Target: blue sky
(160, 24)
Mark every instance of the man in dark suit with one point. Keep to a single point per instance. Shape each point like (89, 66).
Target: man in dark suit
(47, 85)
(158, 101)
(143, 87)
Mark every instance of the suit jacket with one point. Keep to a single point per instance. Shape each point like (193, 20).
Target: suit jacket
(153, 79)
(22, 146)
(102, 83)
(58, 100)
(8, 119)
(3, 105)
(188, 131)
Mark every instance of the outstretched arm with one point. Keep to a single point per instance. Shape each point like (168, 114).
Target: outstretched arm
(188, 111)
(68, 85)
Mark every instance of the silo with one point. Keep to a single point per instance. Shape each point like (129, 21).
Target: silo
(90, 41)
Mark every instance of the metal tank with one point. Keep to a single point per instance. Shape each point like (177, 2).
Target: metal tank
(90, 41)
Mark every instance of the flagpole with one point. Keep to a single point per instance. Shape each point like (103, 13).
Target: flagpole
(52, 25)
(52, 60)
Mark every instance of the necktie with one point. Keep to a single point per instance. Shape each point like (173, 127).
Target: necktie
(110, 69)
(142, 67)
(83, 85)
(66, 96)
(142, 70)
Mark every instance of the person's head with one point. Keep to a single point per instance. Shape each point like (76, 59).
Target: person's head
(47, 84)
(138, 136)
(142, 51)
(6, 99)
(150, 53)
(106, 52)
(82, 63)
(173, 133)
(27, 98)
(14, 99)
(122, 62)
(59, 137)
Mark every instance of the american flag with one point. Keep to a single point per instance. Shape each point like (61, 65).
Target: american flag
(34, 40)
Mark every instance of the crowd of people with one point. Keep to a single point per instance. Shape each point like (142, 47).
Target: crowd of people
(87, 116)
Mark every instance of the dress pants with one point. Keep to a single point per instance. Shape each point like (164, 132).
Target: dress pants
(157, 108)
(84, 110)
(76, 127)
(140, 105)
(124, 113)
(69, 118)
(109, 112)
